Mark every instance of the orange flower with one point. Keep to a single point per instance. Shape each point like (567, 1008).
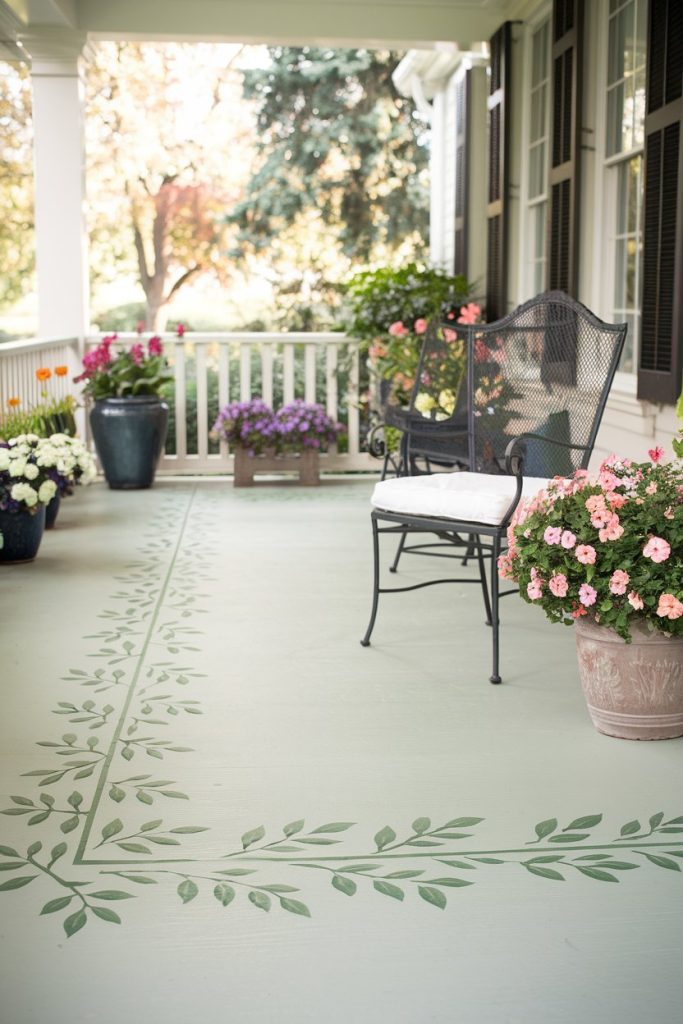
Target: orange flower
(43, 373)
(13, 402)
(61, 371)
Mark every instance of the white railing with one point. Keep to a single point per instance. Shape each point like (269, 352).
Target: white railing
(211, 370)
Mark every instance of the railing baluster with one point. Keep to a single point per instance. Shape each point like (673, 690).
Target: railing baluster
(180, 403)
(202, 402)
(245, 371)
(309, 371)
(288, 373)
(353, 406)
(223, 384)
(267, 373)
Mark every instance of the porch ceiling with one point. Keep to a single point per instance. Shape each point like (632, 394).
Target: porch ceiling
(402, 23)
(195, 741)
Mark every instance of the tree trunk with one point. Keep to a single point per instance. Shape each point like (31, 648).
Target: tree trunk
(156, 315)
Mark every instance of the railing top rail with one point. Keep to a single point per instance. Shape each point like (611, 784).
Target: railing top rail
(34, 344)
(245, 337)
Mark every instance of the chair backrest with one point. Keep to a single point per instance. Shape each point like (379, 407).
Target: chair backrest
(546, 369)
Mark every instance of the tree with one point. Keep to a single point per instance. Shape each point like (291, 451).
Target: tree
(17, 252)
(158, 184)
(335, 137)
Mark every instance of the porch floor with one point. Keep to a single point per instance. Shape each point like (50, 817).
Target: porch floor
(194, 736)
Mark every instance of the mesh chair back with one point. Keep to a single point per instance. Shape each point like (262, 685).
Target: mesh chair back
(546, 369)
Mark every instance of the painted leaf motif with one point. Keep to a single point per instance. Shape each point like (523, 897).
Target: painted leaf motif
(630, 828)
(656, 819)
(334, 826)
(57, 851)
(111, 894)
(293, 827)
(589, 821)
(295, 907)
(33, 849)
(463, 822)
(663, 862)
(344, 884)
(454, 883)
(433, 896)
(112, 829)
(569, 837)
(117, 794)
(260, 899)
(105, 914)
(7, 851)
(17, 883)
(598, 874)
(421, 825)
(224, 893)
(140, 879)
(69, 824)
(537, 869)
(187, 890)
(188, 829)
(387, 889)
(458, 864)
(249, 838)
(545, 828)
(149, 826)
(384, 837)
(74, 923)
(58, 904)
(134, 847)
(405, 874)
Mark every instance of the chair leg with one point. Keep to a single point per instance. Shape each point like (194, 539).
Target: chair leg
(482, 576)
(365, 642)
(399, 551)
(495, 600)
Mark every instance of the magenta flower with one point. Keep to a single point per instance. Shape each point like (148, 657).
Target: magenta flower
(587, 595)
(619, 581)
(180, 330)
(585, 554)
(137, 353)
(154, 345)
(656, 454)
(558, 584)
(657, 549)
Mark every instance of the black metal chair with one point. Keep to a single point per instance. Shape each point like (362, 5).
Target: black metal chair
(533, 390)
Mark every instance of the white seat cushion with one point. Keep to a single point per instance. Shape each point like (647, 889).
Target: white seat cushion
(469, 497)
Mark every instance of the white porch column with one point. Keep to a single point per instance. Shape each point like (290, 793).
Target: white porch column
(61, 240)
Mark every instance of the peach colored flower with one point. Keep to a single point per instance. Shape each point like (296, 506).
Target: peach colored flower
(397, 330)
(13, 402)
(585, 554)
(568, 539)
(668, 513)
(558, 584)
(651, 488)
(420, 326)
(534, 589)
(657, 549)
(469, 314)
(669, 607)
(600, 518)
(613, 530)
(595, 502)
(616, 500)
(619, 581)
(635, 600)
(552, 535)
(61, 371)
(587, 594)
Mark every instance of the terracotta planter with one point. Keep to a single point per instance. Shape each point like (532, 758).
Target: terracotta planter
(307, 465)
(633, 691)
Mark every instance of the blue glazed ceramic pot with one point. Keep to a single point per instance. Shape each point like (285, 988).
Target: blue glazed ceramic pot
(22, 533)
(129, 435)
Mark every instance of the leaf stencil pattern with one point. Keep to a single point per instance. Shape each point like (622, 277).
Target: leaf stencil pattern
(111, 788)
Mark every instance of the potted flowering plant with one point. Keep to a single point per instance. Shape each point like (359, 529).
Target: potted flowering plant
(129, 420)
(605, 552)
(68, 462)
(249, 426)
(303, 426)
(25, 490)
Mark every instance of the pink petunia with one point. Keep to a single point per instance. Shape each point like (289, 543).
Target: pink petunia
(651, 488)
(586, 554)
(558, 584)
(668, 513)
(616, 500)
(607, 480)
(656, 454)
(469, 314)
(600, 518)
(619, 581)
(612, 531)
(587, 594)
(669, 607)
(657, 549)
(635, 600)
(534, 589)
(397, 330)
(595, 502)
(568, 539)
(552, 535)
(420, 326)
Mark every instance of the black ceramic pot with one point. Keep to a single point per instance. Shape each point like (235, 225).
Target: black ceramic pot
(129, 435)
(22, 533)
(52, 511)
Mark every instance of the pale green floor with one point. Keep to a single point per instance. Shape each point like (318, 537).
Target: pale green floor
(252, 604)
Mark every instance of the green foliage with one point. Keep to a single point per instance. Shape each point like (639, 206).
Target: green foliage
(45, 419)
(379, 298)
(334, 137)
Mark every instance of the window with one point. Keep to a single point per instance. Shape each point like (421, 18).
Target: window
(537, 166)
(626, 55)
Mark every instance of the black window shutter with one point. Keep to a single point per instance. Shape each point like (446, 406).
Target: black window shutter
(498, 104)
(661, 334)
(565, 151)
(462, 129)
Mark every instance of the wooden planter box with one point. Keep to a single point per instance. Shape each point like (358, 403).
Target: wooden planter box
(307, 465)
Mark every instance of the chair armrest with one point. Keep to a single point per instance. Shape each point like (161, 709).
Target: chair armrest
(515, 451)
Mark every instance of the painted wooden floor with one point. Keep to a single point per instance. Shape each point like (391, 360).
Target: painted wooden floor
(217, 806)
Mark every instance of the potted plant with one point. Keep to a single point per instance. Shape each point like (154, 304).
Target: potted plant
(605, 552)
(266, 442)
(25, 490)
(129, 419)
(68, 462)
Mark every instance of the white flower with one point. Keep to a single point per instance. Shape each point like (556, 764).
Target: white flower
(47, 491)
(26, 493)
(17, 466)
(31, 471)
(4, 459)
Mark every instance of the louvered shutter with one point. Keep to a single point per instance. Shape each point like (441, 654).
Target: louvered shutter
(462, 127)
(661, 341)
(498, 104)
(565, 153)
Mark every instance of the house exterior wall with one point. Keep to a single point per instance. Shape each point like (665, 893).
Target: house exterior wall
(630, 426)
